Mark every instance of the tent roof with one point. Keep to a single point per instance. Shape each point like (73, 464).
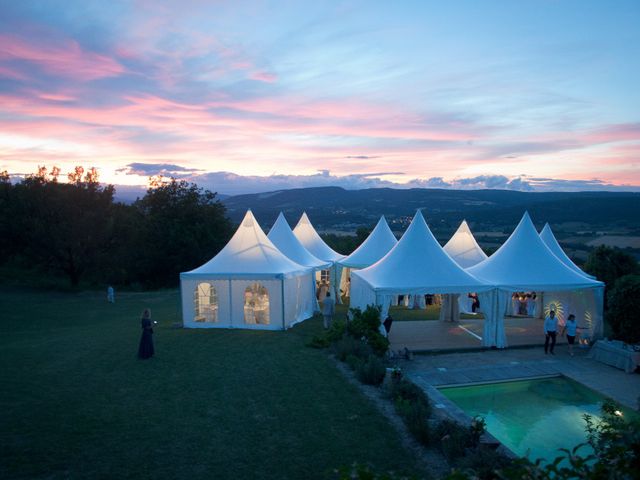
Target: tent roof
(376, 246)
(550, 241)
(418, 263)
(283, 238)
(312, 241)
(463, 248)
(249, 254)
(524, 262)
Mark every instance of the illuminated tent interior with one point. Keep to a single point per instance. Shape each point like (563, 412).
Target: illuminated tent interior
(310, 239)
(248, 284)
(524, 263)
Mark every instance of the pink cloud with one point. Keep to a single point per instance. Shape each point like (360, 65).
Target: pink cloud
(614, 133)
(263, 76)
(64, 58)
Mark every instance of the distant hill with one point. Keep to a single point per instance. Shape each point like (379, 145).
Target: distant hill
(334, 208)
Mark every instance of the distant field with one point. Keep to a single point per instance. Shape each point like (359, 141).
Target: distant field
(616, 241)
(212, 404)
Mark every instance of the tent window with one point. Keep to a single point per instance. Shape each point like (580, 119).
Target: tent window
(325, 276)
(256, 305)
(206, 303)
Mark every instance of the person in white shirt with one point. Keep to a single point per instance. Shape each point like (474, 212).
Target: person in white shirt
(550, 332)
(328, 309)
(570, 329)
(111, 295)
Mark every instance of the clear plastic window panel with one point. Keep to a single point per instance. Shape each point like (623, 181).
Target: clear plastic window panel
(256, 305)
(206, 303)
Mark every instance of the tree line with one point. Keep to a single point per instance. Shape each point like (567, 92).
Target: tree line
(77, 230)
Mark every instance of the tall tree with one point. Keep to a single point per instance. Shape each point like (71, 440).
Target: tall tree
(61, 227)
(182, 227)
(608, 264)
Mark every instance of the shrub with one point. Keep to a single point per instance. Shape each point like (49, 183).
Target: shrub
(415, 416)
(372, 371)
(348, 345)
(454, 439)
(353, 361)
(366, 325)
(407, 390)
(336, 330)
(333, 334)
(624, 302)
(484, 461)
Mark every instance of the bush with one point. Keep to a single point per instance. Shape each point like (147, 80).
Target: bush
(372, 371)
(416, 417)
(332, 335)
(454, 439)
(366, 325)
(406, 390)
(484, 462)
(624, 303)
(348, 345)
(353, 361)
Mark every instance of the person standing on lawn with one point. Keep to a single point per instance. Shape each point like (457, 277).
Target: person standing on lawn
(328, 309)
(145, 349)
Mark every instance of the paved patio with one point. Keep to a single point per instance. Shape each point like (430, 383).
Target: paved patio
(434, 335)
(430, 371)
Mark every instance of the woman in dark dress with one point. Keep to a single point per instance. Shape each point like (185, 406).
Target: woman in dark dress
(145, 350)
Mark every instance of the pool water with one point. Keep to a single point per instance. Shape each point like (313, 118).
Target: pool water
(532, 417)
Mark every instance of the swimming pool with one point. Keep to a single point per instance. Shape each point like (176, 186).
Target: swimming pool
(532, 417)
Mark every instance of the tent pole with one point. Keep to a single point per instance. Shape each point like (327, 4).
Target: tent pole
(282, 291)
(231, 306)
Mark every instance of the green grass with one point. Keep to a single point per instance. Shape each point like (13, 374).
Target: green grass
(77, 403)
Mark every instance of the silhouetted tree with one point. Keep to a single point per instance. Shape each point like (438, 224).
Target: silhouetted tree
(624, 304)
(59, 227)
(608, 264)
(182, 227)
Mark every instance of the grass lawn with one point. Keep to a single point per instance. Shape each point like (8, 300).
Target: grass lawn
(77, 403)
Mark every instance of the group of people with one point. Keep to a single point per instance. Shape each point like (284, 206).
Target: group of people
(524, 303)
(569, 329)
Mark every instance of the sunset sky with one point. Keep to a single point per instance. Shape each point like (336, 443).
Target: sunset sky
(256, 96)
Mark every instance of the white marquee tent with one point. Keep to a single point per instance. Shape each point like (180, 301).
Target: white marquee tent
(248, 284)
(283, 238)
(525, 263)
(417, 265)
(379, 242)
(310, 239)
(550, 241)
(463, 248)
